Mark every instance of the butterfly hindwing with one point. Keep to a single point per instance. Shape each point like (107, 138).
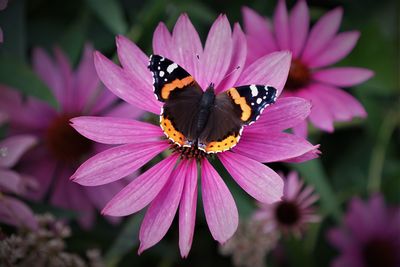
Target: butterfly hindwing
(252, 100)
(167, 77)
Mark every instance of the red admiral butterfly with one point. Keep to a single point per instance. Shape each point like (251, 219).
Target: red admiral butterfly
(192, 117)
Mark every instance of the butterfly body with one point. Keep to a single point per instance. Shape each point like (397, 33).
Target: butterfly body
(201, 119)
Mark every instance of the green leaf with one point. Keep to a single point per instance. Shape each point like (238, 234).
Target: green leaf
(19, 76)
(313, 173)
(110, 12)
(126, 240)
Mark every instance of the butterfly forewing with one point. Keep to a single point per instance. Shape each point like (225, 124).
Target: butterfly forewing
(167, 76)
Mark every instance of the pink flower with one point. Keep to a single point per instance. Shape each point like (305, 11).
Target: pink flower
(12, 210)
(3, 5)
(313, 51)
(293, 212)
(172, 182)
(370, 235)
(61, 149)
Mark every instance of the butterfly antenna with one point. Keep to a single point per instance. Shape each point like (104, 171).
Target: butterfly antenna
(232, 72)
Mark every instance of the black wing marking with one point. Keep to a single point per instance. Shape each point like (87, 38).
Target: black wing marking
(252, 100)
(167, 76)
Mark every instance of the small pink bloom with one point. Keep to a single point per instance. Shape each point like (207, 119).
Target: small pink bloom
(293, 212)
(12, 210)
(61, 149)
(313, 51)
(172, 183)
(370, 235)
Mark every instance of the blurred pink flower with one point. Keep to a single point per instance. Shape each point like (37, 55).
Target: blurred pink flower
(173, 182)
(12, 210)
(293, 212)
(61, 149)
(3, 5)
(313, 51)
(370, 235)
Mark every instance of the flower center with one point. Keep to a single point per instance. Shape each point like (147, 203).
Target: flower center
(189, 152)
(65, 143)
(299, 76)
(287, 213)
(380, 252)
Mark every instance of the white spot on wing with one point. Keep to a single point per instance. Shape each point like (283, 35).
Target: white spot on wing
(171, 67)
(254, 90)
(259, 100)
(161, 73)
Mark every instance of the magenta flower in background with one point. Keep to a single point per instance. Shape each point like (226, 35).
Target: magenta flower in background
(61, 149)
(370, 235)
(313, 51)
(12, 210)
(3, 5)
(172, 182)
(293, 212)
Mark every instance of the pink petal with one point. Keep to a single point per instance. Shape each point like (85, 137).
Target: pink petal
(86, 80)
(255, 178)
(117, 162)
(69, 93)
(187, 45)
(162, 209)
(187, 210)
(271, 69)
(101, 101)
(274, 147)
(340, 46)
(320, 116)
(219, 205)
(322, 33)
(162, 42)
(3, 117)
(301, 129)
(343, 76)
(15, 212)
(108, 130)
(292, 186)
(69, 195)
(141, 191)
(285, 113)
(217, 53)
(47, 70)
(124, 110)
(238, 60)
(258, 27)
(281, 24)
(42, 166)
(134, 61)
(299, 23)
(121, 84)
(343, 106)
(10, 181)
(100, 195)
(310, 155)
(12, 148)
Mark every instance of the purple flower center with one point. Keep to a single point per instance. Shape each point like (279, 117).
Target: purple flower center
(287, 213)
(299, 76)
(64, 142)
(380, 252)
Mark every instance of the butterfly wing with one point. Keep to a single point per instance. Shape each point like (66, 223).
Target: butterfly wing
(181, 96)
(233, 109)
(167, 77)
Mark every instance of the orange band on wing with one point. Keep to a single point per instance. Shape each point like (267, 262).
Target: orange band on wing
(246, 110)
(170, 131)
(226, 144)
(169, 87)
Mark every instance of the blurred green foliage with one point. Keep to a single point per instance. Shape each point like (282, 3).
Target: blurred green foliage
(360, 158)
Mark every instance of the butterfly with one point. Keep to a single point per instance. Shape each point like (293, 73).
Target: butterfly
(191, 117)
